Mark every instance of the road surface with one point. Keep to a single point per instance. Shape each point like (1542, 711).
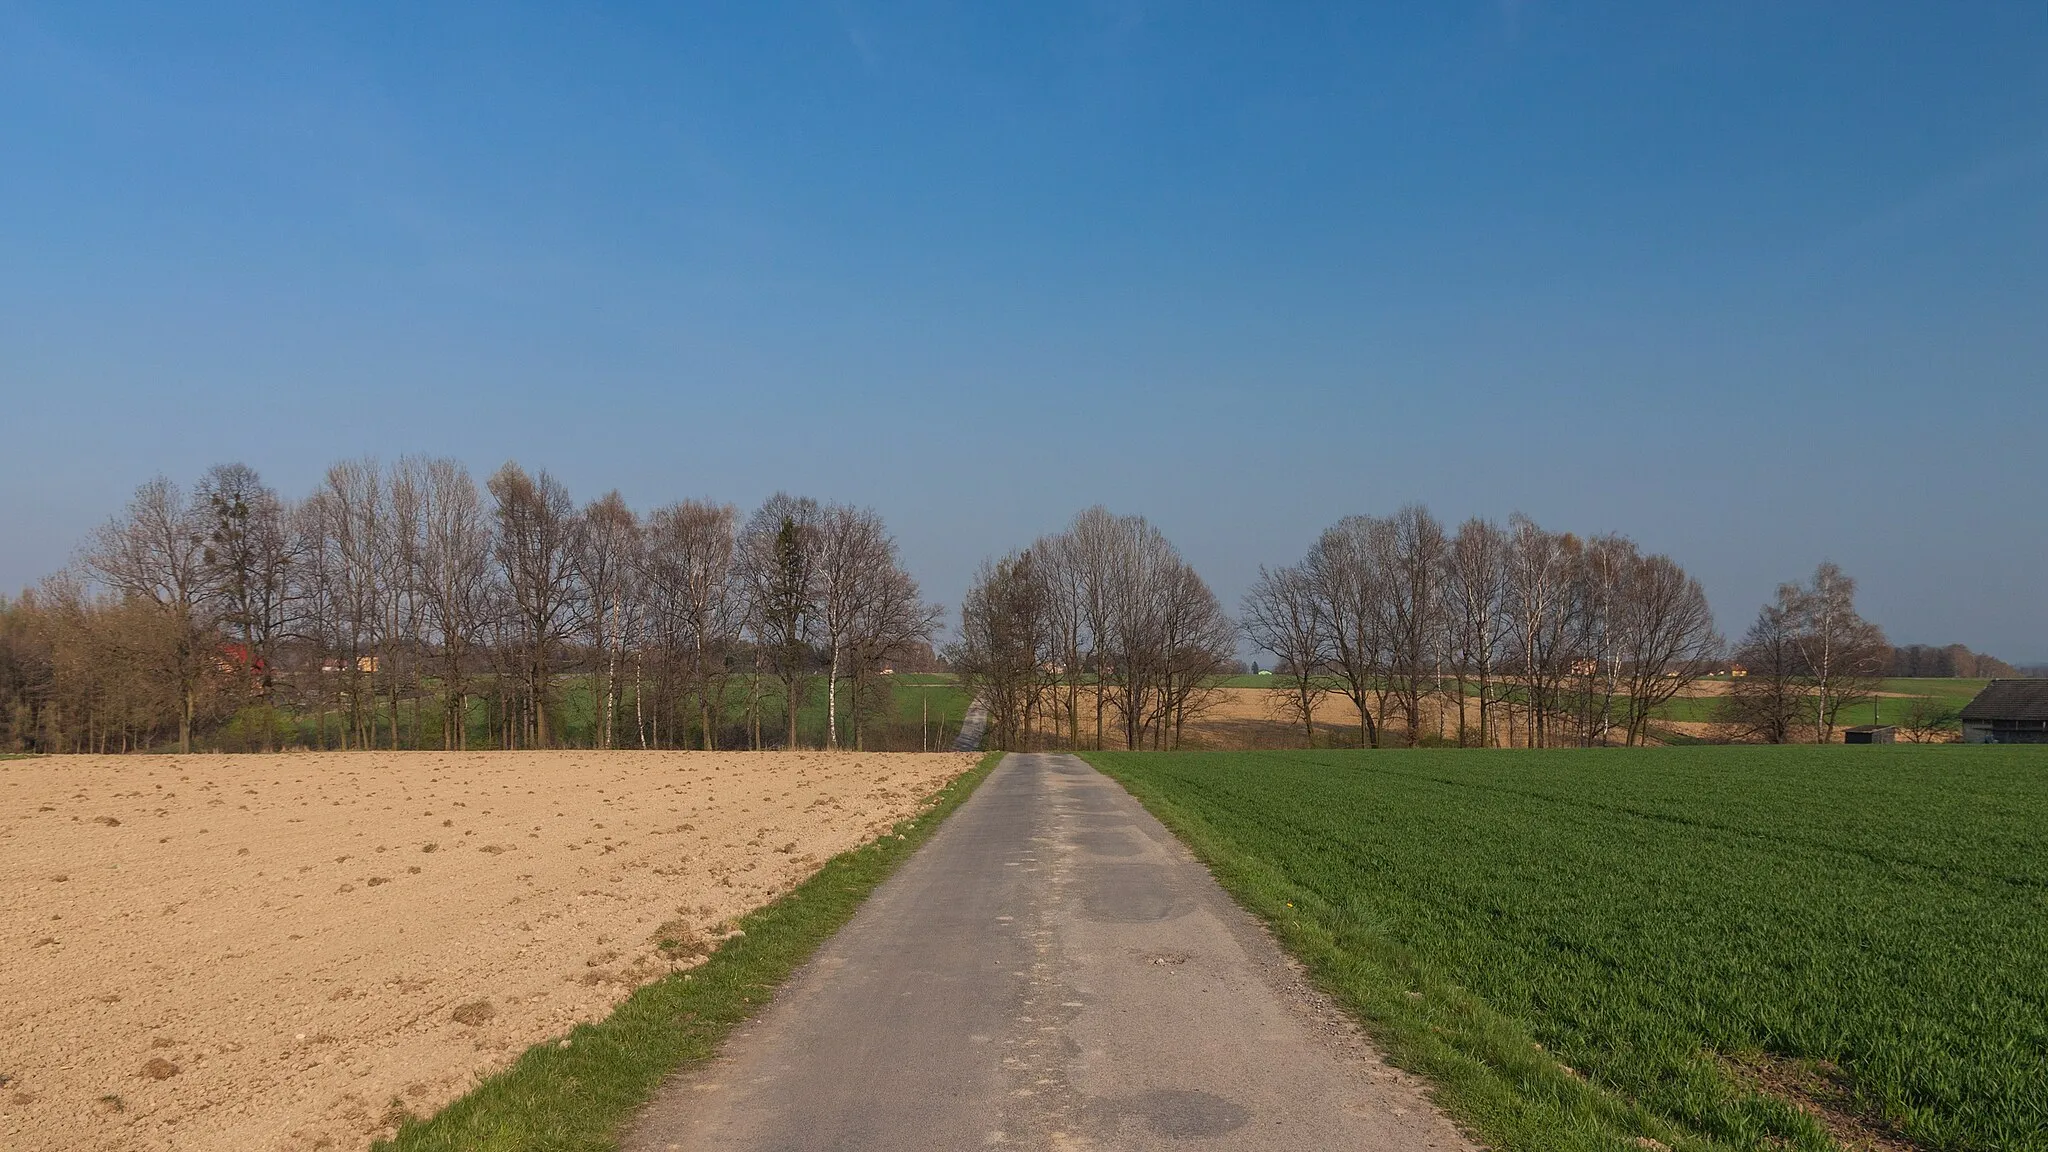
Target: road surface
(1052, 971)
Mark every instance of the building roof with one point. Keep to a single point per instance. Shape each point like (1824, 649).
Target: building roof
(1872, 728)
(2009, 700)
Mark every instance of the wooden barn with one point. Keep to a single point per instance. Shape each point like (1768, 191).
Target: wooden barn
(2008, 712)
(1870, 734)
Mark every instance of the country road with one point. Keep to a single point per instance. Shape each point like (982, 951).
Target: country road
(1052, 971)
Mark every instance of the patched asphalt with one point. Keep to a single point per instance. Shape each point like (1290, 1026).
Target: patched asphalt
(1052, 971)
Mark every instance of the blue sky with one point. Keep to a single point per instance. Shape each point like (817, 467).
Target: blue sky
(1755, 283)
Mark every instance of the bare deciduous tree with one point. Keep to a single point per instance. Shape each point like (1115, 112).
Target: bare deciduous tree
(454, 579)
(1842, 654)
(1006, 640)
(697, 602)
(779, 557)
(1766, 701)
(1343, 569)
(1412, 552)
(1282, 614)
(250, 554)
(606, 557)
(155, 553)
(1476, 591)
(534, 547)
(1666, 637)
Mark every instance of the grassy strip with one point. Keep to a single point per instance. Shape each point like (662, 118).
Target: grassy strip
(576, 1094)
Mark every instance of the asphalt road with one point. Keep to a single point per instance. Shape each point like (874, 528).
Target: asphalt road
(1052, 971)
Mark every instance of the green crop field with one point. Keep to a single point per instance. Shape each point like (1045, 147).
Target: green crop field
(1585, 947)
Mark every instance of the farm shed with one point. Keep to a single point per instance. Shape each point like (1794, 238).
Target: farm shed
(2008, 712)
(1870, 734)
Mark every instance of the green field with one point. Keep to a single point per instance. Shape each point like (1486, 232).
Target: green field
(1951, 694)
(1583, 947)
(918, 703)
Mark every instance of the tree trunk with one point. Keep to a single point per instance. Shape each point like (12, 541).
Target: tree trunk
(832, 699)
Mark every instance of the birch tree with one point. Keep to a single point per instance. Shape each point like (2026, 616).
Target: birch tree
(606, 557)
(1842, 655)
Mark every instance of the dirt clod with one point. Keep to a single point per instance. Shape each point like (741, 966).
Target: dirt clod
(159, 1068)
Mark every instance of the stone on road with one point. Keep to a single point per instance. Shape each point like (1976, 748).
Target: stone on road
(1052, 971)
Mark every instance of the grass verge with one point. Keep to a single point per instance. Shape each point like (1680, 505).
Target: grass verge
(575, 1094)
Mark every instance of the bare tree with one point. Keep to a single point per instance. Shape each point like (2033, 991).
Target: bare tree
(606, 558)
(536, 532)
(853, 551)
(249, 555)
(1006, 638)
(1596, 591)
(779, 556)
(697, 603)
(454, 580)
(1197, 644)
(156, 553)
(1767, 700)
(1541, 568)
(1410, 561)
(1343, 569)
(1086, 557)
(890, 621)
(1665, 636)
(348, 514)
(1063, 563)
(1476, 590)
(1842, 654)
(1282, 614)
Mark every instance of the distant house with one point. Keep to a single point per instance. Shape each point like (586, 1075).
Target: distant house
(1870, 734)
(2008, 712)
(1737, 671)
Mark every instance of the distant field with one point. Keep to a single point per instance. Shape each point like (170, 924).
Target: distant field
(1890, 708)
(1862, 927)
(1703, 706)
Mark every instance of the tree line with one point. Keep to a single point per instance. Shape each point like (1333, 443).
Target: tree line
(406, 605)
(1103, 631)
(1948, 660)
(1524, 635)
(1100, 631)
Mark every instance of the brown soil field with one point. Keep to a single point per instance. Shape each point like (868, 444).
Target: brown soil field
(1257, 718)
(284, 952)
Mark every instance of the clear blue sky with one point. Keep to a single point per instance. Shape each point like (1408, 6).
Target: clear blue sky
(1756, 283)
